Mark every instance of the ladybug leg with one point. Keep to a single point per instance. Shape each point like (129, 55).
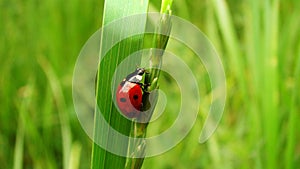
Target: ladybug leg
(144, 86)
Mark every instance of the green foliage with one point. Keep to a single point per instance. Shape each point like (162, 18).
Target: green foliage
(259, 45)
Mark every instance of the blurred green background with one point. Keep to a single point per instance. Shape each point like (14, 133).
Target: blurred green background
(259, 44)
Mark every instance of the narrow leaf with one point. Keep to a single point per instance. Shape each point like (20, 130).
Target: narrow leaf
(114, 10)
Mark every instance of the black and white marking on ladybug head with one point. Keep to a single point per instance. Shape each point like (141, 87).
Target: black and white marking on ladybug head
(136, 76)
(140, 71)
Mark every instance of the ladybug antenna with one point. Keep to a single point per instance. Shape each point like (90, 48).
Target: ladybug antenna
(137, 66)
(145, 71)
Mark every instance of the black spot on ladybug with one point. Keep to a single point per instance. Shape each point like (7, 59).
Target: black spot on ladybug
(122, 99)
(135, 97)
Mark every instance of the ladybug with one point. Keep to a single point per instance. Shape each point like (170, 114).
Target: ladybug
(130, 93)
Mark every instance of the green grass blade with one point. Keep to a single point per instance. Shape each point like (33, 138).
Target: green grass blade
(231, 42)
(75, 156)
(19, 147)
(113, 10)
(166, 6)
(26, 100)
(270, 81)
(293, 119)
(61, 107)
(159, 41)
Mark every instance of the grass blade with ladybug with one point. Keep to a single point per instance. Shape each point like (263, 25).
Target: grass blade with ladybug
(133, 95)
(129, 97)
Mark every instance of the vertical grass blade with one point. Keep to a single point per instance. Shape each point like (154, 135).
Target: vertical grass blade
(113, 10)
(254, 56)
(26, 99)
(270, 102)
(19, 147)
(231, 42)
(159, 43)
(75, 156)
(293, 120)
(61, 107)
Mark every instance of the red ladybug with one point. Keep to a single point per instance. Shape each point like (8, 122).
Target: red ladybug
(129, 94)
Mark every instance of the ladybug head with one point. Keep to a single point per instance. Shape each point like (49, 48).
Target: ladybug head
(140, 71)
